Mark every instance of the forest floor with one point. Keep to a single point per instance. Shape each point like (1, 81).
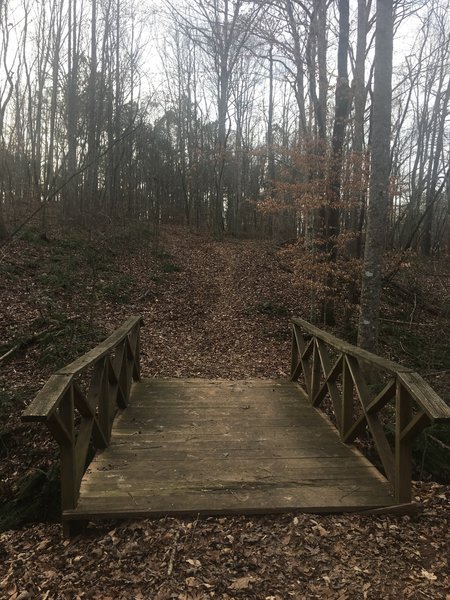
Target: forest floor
(211, 309)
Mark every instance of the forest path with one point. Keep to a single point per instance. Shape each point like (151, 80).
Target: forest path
(224, 314)
(234, 294)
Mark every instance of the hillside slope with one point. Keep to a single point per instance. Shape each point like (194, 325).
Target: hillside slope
(211, 309)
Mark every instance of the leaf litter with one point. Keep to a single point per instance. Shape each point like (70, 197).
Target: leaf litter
(221, 310)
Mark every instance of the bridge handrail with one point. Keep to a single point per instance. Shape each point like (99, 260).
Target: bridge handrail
(78, 419)
(47, 399)
(356, 408)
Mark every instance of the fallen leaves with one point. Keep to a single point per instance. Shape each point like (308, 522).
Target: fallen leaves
(251, 558)
(194, 562)
(241, 583)
(206, 321)
(428, 575)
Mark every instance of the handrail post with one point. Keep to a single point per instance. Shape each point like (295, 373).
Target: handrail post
(137, 354)
(315, 373)
(347, 400)
(69, 490)
(294, 352)
(108, 389)
(403, 446)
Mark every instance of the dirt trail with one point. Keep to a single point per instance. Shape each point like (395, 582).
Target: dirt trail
(222, 315)
(211, 310)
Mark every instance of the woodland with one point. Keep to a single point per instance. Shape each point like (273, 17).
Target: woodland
(219, 167)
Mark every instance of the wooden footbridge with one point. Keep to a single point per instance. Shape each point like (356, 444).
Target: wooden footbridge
(133, 447)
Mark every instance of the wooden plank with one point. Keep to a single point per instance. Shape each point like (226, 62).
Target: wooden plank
(108, 345)
(199, 457)
(350, 350)
(375, 427)
(432, 404)
(186, 386)
(232, 500)
(403, 446)
(134, 461)
(142, 477)
(362, 489)
(415, 426)
(205, 410)
(386, 394)
(259, 450)
(46, 402)
(331, 373)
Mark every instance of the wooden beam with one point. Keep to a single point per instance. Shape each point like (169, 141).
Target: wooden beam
(315, 372)
(47, 400)
(69, 488)
(415, 426)
(294, 355)
(103, 348)
(431, 404)
(332, 372)
(386, 394)
(375, 427)
(381, 399)
(347, 402)
(58, 429)
(409, 508)
(403, 446)
(350, 350)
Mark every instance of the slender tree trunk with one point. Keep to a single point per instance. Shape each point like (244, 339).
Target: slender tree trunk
(53, 103)
(435, 165)
(222, 101)
(70, 191)
(91, 174)
(357, 209)
(379, 179)
(342, 102)
(299, 69)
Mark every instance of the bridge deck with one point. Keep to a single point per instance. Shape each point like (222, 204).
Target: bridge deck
(195, 446)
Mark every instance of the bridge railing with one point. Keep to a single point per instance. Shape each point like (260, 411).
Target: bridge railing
(79, 402)
(394, 409)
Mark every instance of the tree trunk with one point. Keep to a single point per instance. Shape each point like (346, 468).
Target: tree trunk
(357, 208)
(70, 191)
(379, 179)
(333, 210)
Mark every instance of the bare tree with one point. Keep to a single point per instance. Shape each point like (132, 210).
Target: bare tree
(221, 29)
(379, 178)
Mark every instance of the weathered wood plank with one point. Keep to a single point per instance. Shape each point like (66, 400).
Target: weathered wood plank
(432, 404)
(104, 348)
(232, 500)
(195, 451)
(47, 399)
(144, 476)
(196, 447)
(376, 428)
(350, 350)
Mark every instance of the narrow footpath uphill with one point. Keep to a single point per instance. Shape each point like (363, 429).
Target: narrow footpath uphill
(225, 313)
(211, 309)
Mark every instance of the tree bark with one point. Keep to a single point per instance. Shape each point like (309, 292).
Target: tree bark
(379, 179)
(342, 101)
